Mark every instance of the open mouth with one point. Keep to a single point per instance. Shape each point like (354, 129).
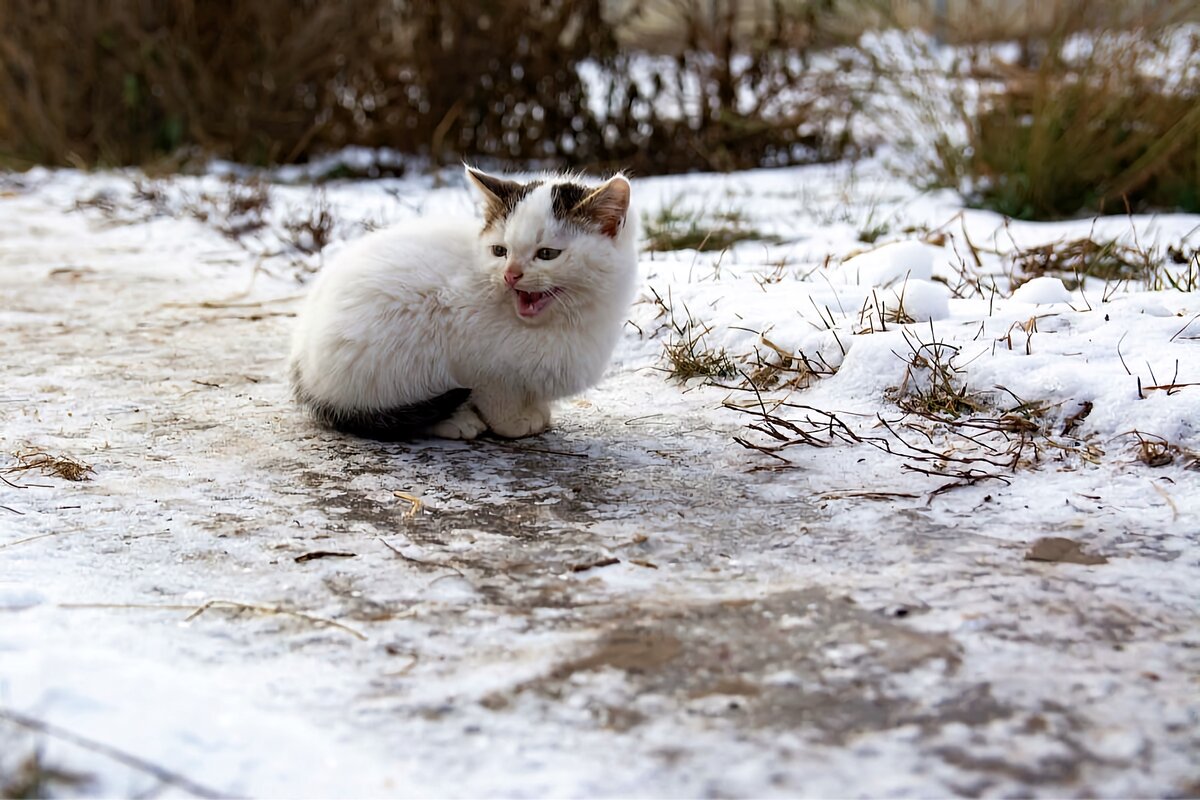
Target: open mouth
(530, 304)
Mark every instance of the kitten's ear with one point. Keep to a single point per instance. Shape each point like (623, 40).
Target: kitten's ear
(606, 207)
(499, 194)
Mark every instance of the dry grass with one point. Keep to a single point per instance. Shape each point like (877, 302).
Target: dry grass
(283, 80)
(933, 386)
(242, 209)
(688, 357)
(1076, 259)
(781, 370)
(1022, 21)
(1157, 451)
(124, 82)
(675, 227)
(63, 467)
(987, 446)
(1117, 264)
(1094, 112)
(1063, 144)
(945, 430)
(686, 350)
(1085, 120)
(31, 777)
(312, 228)
(239, 210)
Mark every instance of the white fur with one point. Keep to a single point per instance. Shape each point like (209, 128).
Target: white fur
(406, 314)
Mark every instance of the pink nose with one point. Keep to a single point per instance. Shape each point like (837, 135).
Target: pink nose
(512, 275)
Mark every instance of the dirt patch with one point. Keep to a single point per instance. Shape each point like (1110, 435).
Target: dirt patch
(797, 660)
(1056, 550)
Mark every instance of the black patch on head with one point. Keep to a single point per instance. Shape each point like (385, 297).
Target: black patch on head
(564, 197)
(386, 424)
(503, 197)
(599, 209)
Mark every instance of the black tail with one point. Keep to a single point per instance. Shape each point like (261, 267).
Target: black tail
(390, 424)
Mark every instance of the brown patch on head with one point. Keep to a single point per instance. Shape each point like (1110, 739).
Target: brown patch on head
(500, 195)
(600, 209)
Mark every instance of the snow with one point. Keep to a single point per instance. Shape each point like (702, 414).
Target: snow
(832, 625)
(1042, 290)
(889, 264)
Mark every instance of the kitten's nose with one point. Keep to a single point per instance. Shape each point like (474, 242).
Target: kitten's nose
(512, 275)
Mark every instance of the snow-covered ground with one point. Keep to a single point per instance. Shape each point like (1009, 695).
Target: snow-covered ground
(641, 601)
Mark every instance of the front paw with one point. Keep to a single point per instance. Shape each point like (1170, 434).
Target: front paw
(462, 424)
(528, 422)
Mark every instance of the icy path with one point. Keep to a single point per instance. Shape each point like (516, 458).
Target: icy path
(616, 608)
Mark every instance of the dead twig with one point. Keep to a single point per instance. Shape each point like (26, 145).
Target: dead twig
(426, 564)
(1168, 387)
(1071, 422)
(865, 494)
(271, 610)
(232, 604)
(603, 562)
(521, 448)
(315, 554)
(27, 538)
(1184, 328)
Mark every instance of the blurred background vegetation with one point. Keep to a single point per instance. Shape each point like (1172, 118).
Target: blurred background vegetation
(650, 86)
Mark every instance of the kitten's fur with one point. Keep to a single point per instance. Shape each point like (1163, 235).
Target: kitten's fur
(423, 328)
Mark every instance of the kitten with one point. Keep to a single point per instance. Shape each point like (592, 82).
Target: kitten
(436, 327)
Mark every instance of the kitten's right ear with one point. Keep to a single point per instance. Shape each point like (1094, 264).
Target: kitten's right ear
(607, 206)
(500, 195)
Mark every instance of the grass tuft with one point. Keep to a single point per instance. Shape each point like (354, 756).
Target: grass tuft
(311, 230)
(32, 777)
(933, 385)
(780, 369)
(237, 211)
(674, 227)
(687, 354)
(63, 467)
(689, 358)
(1157, 451)
(1086, 257)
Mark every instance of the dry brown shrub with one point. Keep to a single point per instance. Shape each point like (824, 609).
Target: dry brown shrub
(132, 81)
(1087, 119)
(123, 81)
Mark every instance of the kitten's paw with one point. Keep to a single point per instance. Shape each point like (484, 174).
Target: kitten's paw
(529, 422)
(462, 424)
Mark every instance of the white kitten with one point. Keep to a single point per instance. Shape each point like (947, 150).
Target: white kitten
(438, 327)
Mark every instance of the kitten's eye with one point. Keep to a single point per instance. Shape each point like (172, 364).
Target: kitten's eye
(548, 253)
(499, 250)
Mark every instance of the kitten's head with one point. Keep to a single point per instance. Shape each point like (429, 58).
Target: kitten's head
(555, 247)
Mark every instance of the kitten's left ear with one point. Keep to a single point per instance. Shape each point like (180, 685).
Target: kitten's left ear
(607, 206)
(499, 194)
